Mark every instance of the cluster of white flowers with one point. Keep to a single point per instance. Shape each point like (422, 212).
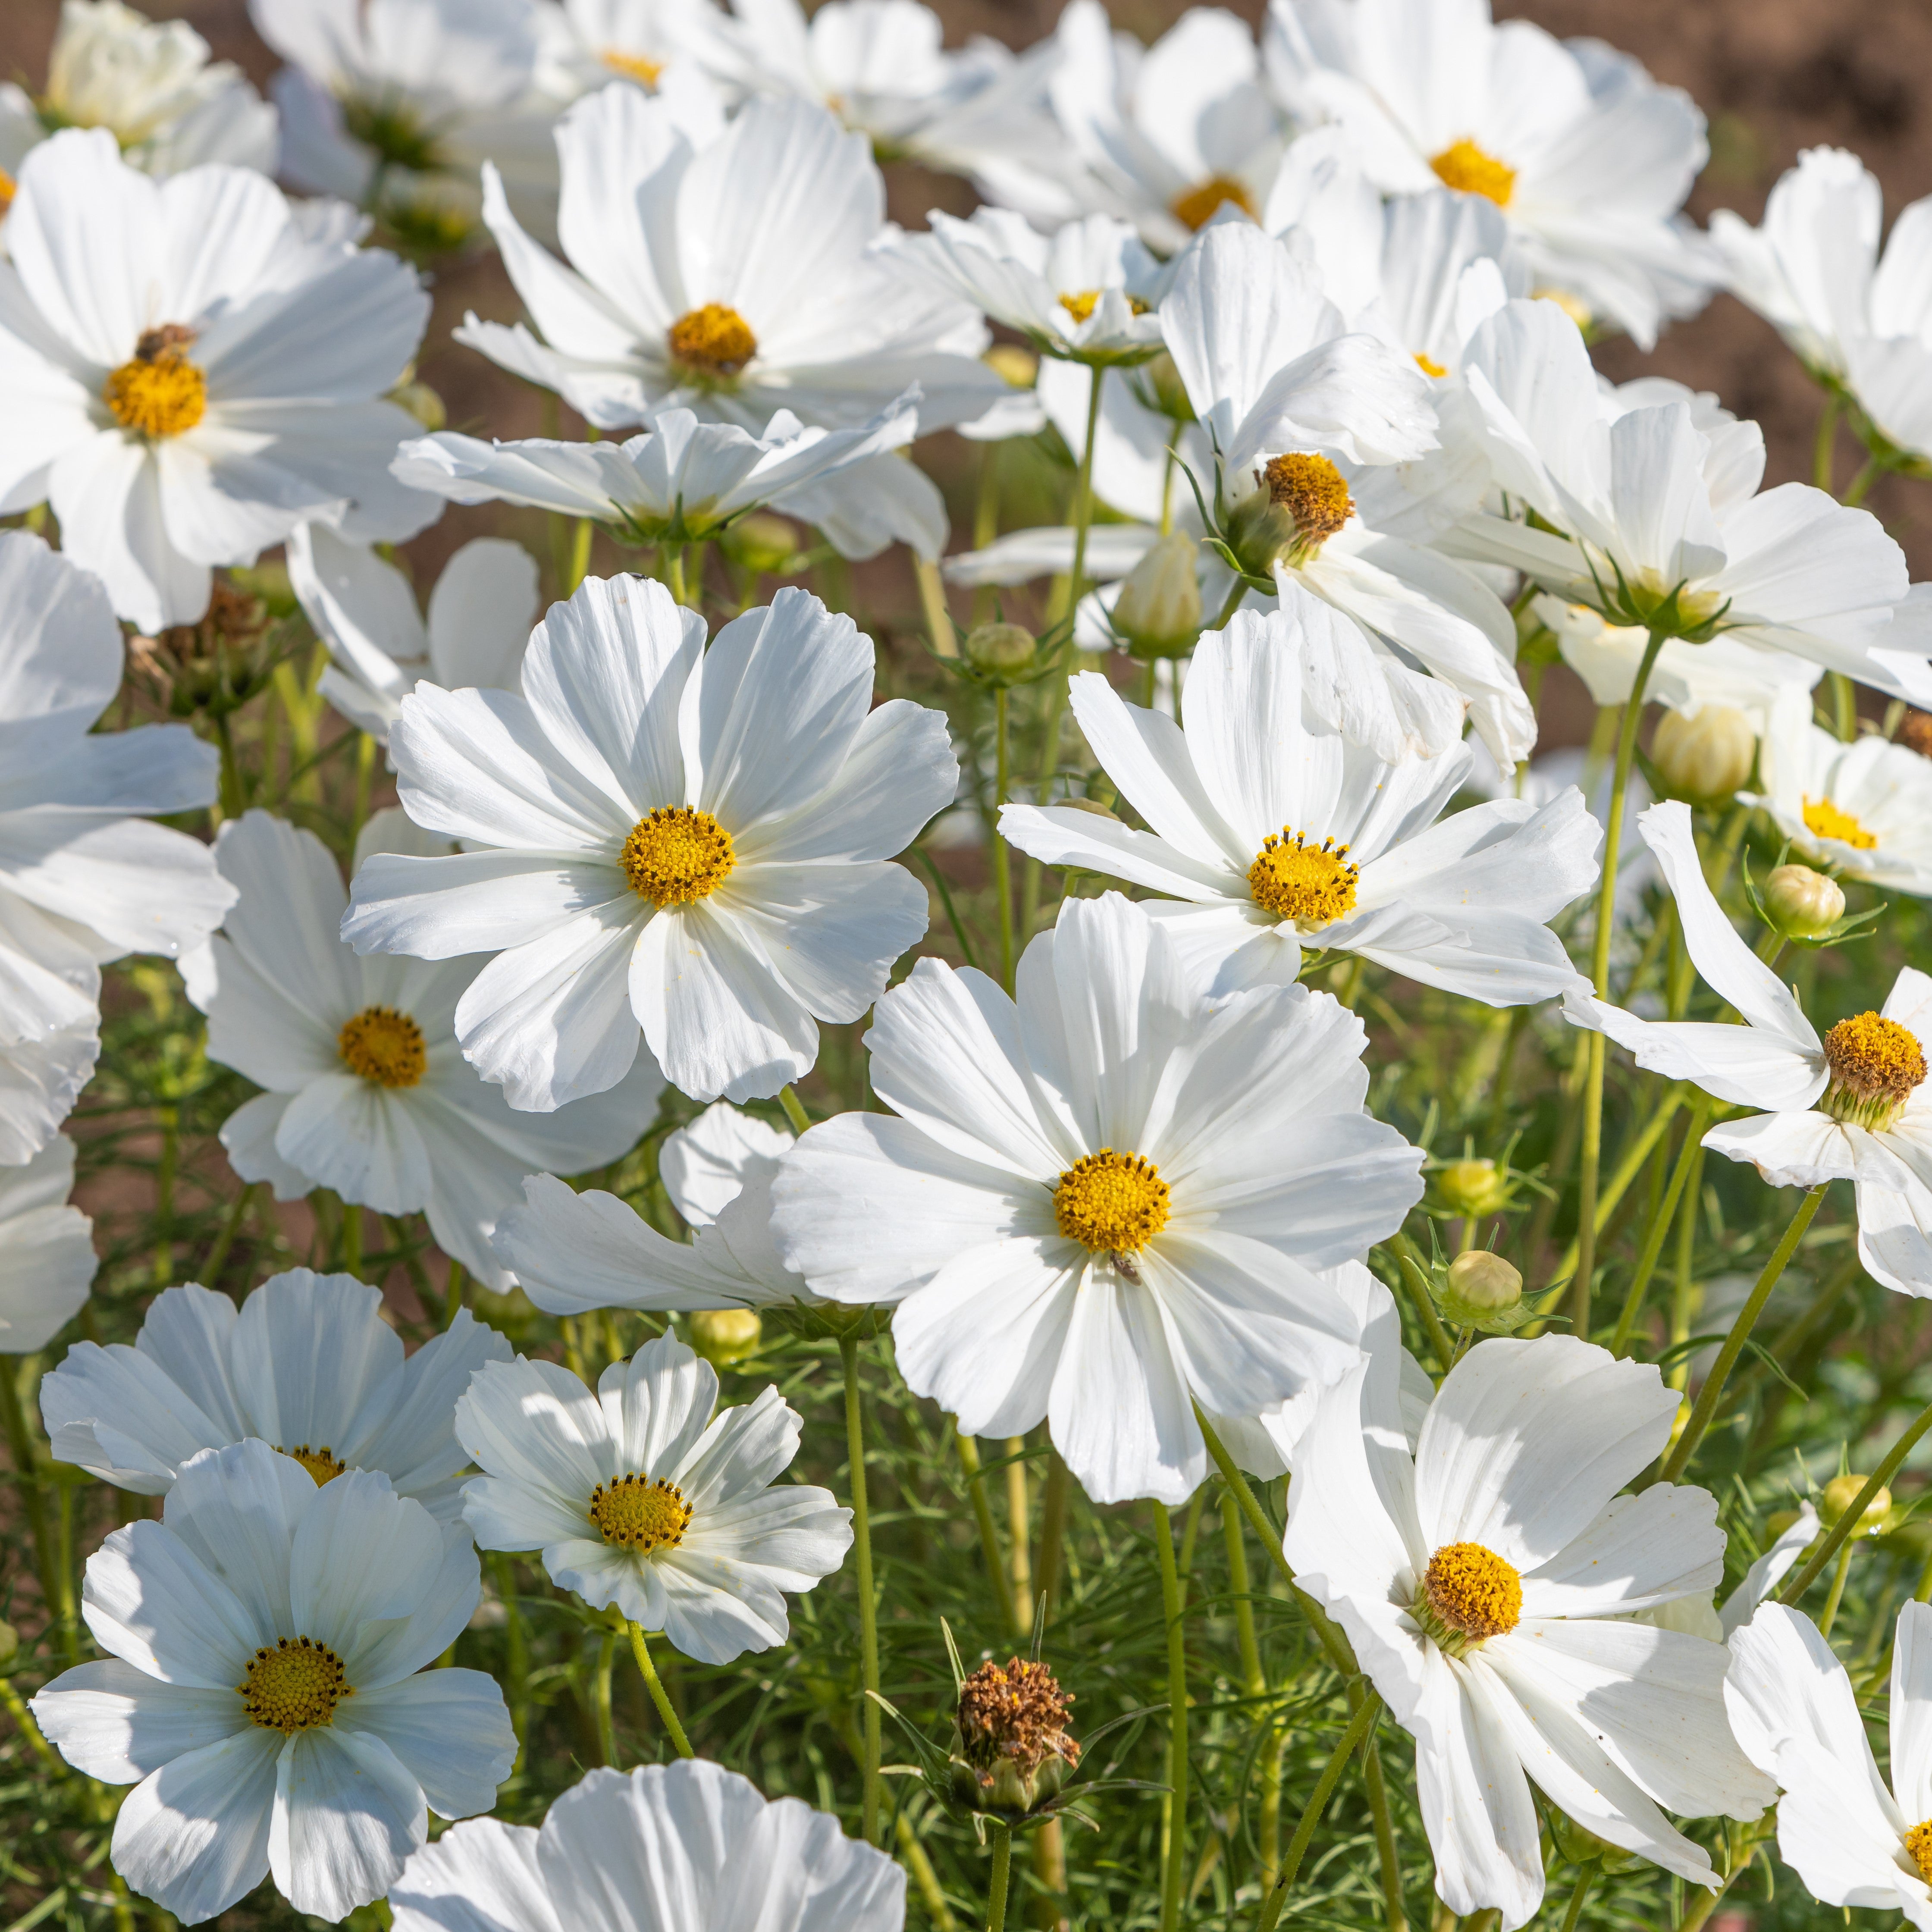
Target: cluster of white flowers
(1311, 315)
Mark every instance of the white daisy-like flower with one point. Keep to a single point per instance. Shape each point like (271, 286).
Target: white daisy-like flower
(1852, 1837)
(1588, 158)
(665, 46)
(685, 480)
(181, 408)
(636, 1497)
(692, 843)
(307, 1365)
(573, 1253)
(1106, 1202)
(1654, 516)
(472, 633)
(47, 1250)
(614, 1846)
(1487, 1580)
(151, 84)
(366, 1090)
(1273, 835)
(266, 1691)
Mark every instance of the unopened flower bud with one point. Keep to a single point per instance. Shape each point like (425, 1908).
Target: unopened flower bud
(1011, 1752)
(1704, 758)
(1803, 904)
(1841, 1492)
(1581, 1846)
(761, 543)
(1481, 1280)
(1159, 609)
(423, 402)
(1162, 389)
(1001, 651)
(1019, 367)
(1467, 1187)
(725, 1335)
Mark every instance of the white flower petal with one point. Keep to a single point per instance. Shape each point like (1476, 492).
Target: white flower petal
(347, 1816)
(194, 1836)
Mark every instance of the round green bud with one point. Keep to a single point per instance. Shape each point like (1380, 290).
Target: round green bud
(1000, 650)
(1159, 609)
(725, 1335)
(1482, 1280)
(1803, 904)
(1471, 1186)
(1841, 1492)
(1704, 757)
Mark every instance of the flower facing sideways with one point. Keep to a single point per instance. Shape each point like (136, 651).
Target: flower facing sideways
(636, 1497)
(266, 1691)
(46, 1251)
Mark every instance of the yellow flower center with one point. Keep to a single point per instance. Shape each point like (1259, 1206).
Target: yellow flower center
(1198, 205)
(1465, 167)
(384, 1046)
(1429, 365)
(9, 187)
(294, 1687)
(639, 67)
(323, 1464)
(1825, 820)
(1469, 1594)
(713, 341)
(1876, 1066)
(677, 854)
(160, 393)
(1111, 1203)
(1919, 1849)
(640, 1514)
(1313, 886)
(1313, 491)
(1081, 305)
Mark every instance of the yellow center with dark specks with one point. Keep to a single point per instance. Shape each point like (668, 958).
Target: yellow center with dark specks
(677, 854)
(1313, 886)
(1469, 1594)
(294, 1687)
(1877, 1065)
(384, 1046)
(1826, 820)
(1111, 1203)
(636, 1512)
(160, 393)
(1198, 205)
(714, 342)
(323, 1464)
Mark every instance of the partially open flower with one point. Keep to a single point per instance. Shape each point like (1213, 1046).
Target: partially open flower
(1159, 609)
(1011, 1752)
(1705, 757)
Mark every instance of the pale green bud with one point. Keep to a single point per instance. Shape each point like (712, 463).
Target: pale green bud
(1479, 1279)
(1158, 608)
(725, 1335)
(1001, 651)
(1803, 904)
(1704, 758)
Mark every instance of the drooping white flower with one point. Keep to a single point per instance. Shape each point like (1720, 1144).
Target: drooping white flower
(46, 1251)
(1588, 158)
(692, 843)
(1854, 1838)
(636, 1497)
(573, 1253)
(265, 1691)
(685, 480)
(186, 375)
(1105, 1203)
(472, 633)
(308, 1365)
(366, 1089)
(615, 1848)
(1486, 1580)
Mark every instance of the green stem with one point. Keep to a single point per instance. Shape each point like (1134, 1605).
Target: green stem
(210, 1275)
(1409, 1259)
(23, 1722)
(1848, 1521)
(1003, 1862)
(1709, 1396)
(1052, 1528)
(580, 557)
(1019, 1514)
(1824, 445)
(913, 1856)
(1083, 504)
(1658, 1227)
(1837, 1591)
(168, 1120)
(606, 1739)
(869, 1609)
(794, 1108)
(452, 1293)
(351, 1239)
(983, 1515)
(1580, 1891)
(1628, 1168)
(1360, 1726)
(1230, 605)
(673, 570)
(945, 891)
(27, 1480)
(1003, 881)
(1844, 706)
(1869, 473)
(641, 1651)
(1395, 1914)
(1173, 1867)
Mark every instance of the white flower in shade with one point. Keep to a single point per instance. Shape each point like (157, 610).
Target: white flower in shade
(39, 1081)
(1852, 1837)
(664, 47)
(1105, 1203)
(183, 402)
(1861, 320)
(1864, 809)
(1487, 1579)
(47, 1250)
(1588, 158)
(1273, 836)
(472, 633)
(266, 1691)
(614, 1849)
(366, 1091)
(684, 480)
(1654, 516)
(636, 1497)
(575, 1253)
(308, 1365)
(692, 843)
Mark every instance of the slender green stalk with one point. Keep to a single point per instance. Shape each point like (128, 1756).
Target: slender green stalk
(580, 557)
(1254, 1680)
(1684, 1283)
(210, 1272)
(1019, 1514)
(1083, 502)
(1395, 1914)
(794, 1108)
(1888, 1468)
(1230, 605)
(1052, 1528)
(1824, 445)
(1174, 1863)
(868, 1608)
(1360, 1726)
(516, 1655)
(913, 1855)
(1580, 1891)
(23, 1723)
(1408, 1258)
(1002, 1864)
(1631, 1165)
(606, 1739)
(168, 1119)
(1711, 1393)
(1658, 1227)
(27, 1482)
(1003, 879)
(1830, 1614)
(452, 1293)
(967, 949)
(983, 1515)
(351, 1239)
(646, 1669)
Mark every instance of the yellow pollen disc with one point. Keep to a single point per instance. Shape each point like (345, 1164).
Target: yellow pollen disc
(1473, 1591)
(385, 1046)
(323, 1464)
(1111, 1203)
(1429, 365)
(633, 67)
(1466, 167)
(677, 854)
(160, 393)
(1081, 306)
(1919, 1849)
(1198, 206)
(1876, 1065)
(8, 188)
(1313, 491)
(640, 1514)
(1825, 819)
(294, 1687)
(1313, 885)
(715, 341)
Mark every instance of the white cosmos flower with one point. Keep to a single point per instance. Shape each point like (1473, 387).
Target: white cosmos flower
(186, 375)
(265, 1691)
(684, 479)
(46, 1251)
(1588, 157)
(308, 1365)
(1487, 1579)
(1273, 835)
(636, 1497)
(667, 1848)
(692, 843)
(473, 632)
(1655, 514)
(575, 1253)
(664, 47)
(39, 1081)
(366, 1089)
(1853, 1839)
(1106, 1202)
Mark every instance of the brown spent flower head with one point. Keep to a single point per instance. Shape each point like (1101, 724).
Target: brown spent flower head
(1876, 1065)
(1013, 1752)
